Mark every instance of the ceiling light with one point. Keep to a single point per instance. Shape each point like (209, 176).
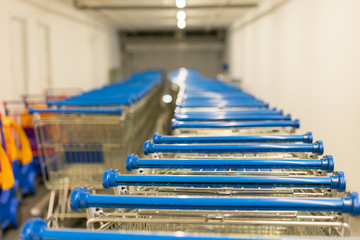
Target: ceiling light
(181, 15)
(181, 24)
(180, 3)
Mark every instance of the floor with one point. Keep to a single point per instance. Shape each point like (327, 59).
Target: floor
(355, 227)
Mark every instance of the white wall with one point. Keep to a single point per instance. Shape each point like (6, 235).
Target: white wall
(304, 57)
(49, 44)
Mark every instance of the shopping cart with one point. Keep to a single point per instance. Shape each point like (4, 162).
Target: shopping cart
(230, 117)
(226, 166)
(269, 216)
(238, 103)
(20, 155)
(308, 150)
(138, 96)
(18, 111)
(208, 106)
(37, 229)
(234, 185)
(218, 114)
(199, 92)
(198, 112)
(9, 203)
(235, 127)
(77, 146)
(181, 139)
(80, 143)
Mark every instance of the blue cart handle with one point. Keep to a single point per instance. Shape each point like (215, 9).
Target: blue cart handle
(262, 111)
(306, 138)
(231, 117)
(149, 147)
(235, 124)
(36, 229)
(326, 163)
(336, 181)
(78, 110)
(227, 105)
(82, 199)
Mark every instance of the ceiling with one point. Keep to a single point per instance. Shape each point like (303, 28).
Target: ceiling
(140, 15)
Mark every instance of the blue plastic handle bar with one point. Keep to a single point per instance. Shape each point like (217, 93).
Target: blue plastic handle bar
(230, 117)
(78, 110)
(326, 163)
(82, 199)
(210, 92)
(226, 96)
(306, 138)
(226, 104)
(235, 124)
(36, 229)
(89, 104)
(149, 147)
(336, 181)
(220, 97)
(255, 111)
(200, 102)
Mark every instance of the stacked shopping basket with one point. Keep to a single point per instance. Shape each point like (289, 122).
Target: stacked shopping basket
(233, 166)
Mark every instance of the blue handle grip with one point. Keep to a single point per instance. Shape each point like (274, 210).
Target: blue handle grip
(149, 147)
(82, 199)
(235, 124)
(78, 110)
(326, 163)
(36, 229)
(230, 117)
(306, 138)
(336, 182)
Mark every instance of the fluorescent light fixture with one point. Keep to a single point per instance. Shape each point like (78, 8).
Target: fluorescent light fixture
(181, 15)
(181, 24)
(180, 3)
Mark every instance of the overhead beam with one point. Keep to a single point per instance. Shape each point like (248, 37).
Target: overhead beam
(80, 5)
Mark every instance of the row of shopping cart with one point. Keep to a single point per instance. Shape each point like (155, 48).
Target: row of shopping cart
(233, 166)
(83, 135)
(77, 129)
